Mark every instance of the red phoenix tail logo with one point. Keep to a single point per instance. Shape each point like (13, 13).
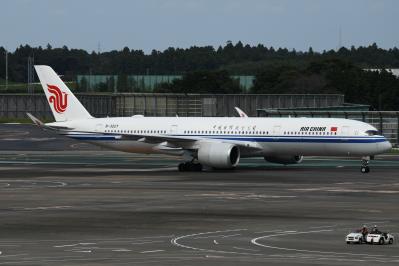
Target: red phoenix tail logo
(58, 98)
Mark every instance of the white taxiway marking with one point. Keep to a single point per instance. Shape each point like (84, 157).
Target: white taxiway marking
(152, 251)
(30, 184)
(121, 250)
(146, 242)
(47, 208)
(323, 226)
(81, 251)
(224, 195)
(212, 256)
(63, 246)
(14, 255)
(175, 242)
(272, 231)
(73, 245)
(247, 249)
(215, 242)
(213, 236)
(327, 189)
(98, 170)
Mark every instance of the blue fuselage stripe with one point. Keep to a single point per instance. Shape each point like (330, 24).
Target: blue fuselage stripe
(281, 139)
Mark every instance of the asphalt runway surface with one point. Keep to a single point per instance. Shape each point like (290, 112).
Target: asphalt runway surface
(71, 203)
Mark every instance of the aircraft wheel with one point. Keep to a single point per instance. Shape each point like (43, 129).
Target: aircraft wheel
(182, 167)
(190, 167)
(198, 167)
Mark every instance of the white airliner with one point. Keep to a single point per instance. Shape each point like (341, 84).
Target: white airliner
(214, 142)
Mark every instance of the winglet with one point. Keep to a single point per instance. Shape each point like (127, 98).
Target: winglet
(240, 112)
(35, 120)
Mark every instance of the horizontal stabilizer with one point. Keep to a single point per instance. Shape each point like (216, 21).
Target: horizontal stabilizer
(39, 123)
(35, 120)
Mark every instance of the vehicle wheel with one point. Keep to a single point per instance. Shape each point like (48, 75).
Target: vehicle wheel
(381, 241)
(360, 241)
(347, 242)
(391, 241)
(364, 169)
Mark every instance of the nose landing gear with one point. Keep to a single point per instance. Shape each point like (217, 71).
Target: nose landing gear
(365, 165)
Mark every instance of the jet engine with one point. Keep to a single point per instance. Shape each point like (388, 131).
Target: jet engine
(284, 159)
(219, 155)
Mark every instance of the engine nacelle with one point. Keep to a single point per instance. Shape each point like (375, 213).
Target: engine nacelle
(284, 159)
(219, 155)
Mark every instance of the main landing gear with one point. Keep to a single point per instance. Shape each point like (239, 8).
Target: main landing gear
(365, 165)
(190, 167)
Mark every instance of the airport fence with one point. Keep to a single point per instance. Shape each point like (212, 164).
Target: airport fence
(14, 106)
(165, 104)
(387, 122)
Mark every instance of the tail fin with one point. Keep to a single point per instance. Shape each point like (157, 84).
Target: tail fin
(64, 105)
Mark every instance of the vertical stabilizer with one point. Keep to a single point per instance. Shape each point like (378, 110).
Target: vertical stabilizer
(64, 105)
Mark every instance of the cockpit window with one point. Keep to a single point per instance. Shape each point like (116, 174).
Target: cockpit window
(372, 132)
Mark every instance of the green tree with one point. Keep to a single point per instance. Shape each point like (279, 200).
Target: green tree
(202, 82)
(121, 84)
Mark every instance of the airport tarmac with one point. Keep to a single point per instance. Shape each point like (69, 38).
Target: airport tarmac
(94, 207)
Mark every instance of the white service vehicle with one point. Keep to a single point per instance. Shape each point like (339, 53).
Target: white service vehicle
(354, 237)
(380, 238)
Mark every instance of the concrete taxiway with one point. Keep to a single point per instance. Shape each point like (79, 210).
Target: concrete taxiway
(94, 207)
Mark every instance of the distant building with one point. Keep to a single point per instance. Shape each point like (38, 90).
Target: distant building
(394, 71)
(144, 83)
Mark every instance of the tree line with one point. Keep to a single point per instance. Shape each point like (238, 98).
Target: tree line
(379, 89)
(208, 70)
(237, 59)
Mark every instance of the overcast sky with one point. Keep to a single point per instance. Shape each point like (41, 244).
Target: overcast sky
(159, 24)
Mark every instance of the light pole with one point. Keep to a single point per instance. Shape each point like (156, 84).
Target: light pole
(6, 52)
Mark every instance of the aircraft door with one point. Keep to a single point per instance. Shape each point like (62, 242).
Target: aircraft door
(345, 131)
(276, 130)
(173, 129)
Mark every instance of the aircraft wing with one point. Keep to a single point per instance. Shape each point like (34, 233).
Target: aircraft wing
(187, 142)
